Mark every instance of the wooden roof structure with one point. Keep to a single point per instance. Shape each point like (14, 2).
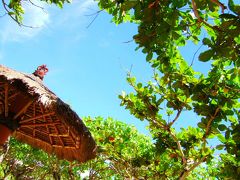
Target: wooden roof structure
(44, 120)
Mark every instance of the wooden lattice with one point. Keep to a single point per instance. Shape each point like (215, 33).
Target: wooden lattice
(35, 121)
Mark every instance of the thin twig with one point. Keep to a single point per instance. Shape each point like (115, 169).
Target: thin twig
(19, 23)
(222, 6)
(179, 147)
(97, 14)
(177, 116)
(185, 174)
(195, 55)
(200, 20)
(128, 41)
(94, 13)
(37, 6)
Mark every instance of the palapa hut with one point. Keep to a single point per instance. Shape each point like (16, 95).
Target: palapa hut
(33, 114)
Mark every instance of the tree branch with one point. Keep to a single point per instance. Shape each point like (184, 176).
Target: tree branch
(177, 116)
(186, 173)
(36, 5)
(222, 6)
(195, 55)
(96, 15)
(5, 6)
(200, 20)
(210, 122)
(179, 147)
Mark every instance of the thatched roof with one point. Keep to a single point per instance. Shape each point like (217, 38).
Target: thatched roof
(45, 121)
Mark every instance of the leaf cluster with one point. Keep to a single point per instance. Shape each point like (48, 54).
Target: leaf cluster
(163, 26)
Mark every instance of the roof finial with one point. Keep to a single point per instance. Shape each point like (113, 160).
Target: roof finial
(41, 71)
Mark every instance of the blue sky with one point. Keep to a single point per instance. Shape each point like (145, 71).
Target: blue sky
(87, 66)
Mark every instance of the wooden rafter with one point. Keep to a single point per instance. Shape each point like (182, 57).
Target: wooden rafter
(69, 133)
(68, 147)
(60, 135)
(39, 124)
(36, 117)
(47, 134)
(53, 145)
(77, 142)
(23, 109)
(72, 136)
(6, 87)
(42, 110)
(57, 132)
(14, 95)
(34, 114)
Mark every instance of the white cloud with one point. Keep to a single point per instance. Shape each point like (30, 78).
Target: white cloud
(75, 13)
(34, 16)
(71, 16)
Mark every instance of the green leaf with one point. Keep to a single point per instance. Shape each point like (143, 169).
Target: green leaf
(228, 16)
(149, 56)
(206, 55)
(201, 125)
(60, 4)
(221, 138)
(207, 41)
(220, 146)
(11, 13)
(227, 134)
(222, 127)
(234, 8)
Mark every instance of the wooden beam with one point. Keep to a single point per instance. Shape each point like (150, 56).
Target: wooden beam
(57, 132)
(36, 117)
(34, 114)
(38, 124)
(42, 110)
(6, 87)
(23, 109)
(36, 139)
(77, 142)
(65, 147)
(60, 135)
(51, 135)
(13, 95)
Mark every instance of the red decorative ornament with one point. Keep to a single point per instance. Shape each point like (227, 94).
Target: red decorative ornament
(41, 71)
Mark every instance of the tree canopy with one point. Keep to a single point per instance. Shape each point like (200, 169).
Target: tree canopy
(123, 153)
(164, 26)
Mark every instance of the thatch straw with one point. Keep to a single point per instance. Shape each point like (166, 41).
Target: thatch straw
(32, 87)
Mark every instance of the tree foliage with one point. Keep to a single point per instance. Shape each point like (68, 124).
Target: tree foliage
(163, 26)
(122, 153)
